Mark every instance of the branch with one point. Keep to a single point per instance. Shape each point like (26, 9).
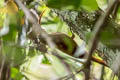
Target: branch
(95, 36)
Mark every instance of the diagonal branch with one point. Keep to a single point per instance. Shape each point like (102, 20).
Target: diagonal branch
(95, 36)
(37, 31)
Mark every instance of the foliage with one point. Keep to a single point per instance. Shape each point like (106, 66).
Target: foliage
(73, 4)
(20, 51)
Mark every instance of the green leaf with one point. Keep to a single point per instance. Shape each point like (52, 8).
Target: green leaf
(14, 53)
(108, 36)
(18, 55)
(118, 14)
(11, 36)
(89, 5)
(15, 74)
(88, 35)
(45, 60)
(62, 4)
(31, 52)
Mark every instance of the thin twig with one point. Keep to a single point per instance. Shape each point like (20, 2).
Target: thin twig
(95, 37)
(66, 65)
(114, 12)
(113, 77)
(70, 75)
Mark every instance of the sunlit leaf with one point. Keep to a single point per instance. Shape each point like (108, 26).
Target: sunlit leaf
(10, 8)
(1, 3)
(45, 60)
(16, 74)
(118, 14)
(90, 5)
(37, 68)
(102, 4)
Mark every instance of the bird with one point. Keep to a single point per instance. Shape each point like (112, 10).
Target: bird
(67, 44)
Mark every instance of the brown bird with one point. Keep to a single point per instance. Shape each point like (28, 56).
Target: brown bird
(67, 44)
